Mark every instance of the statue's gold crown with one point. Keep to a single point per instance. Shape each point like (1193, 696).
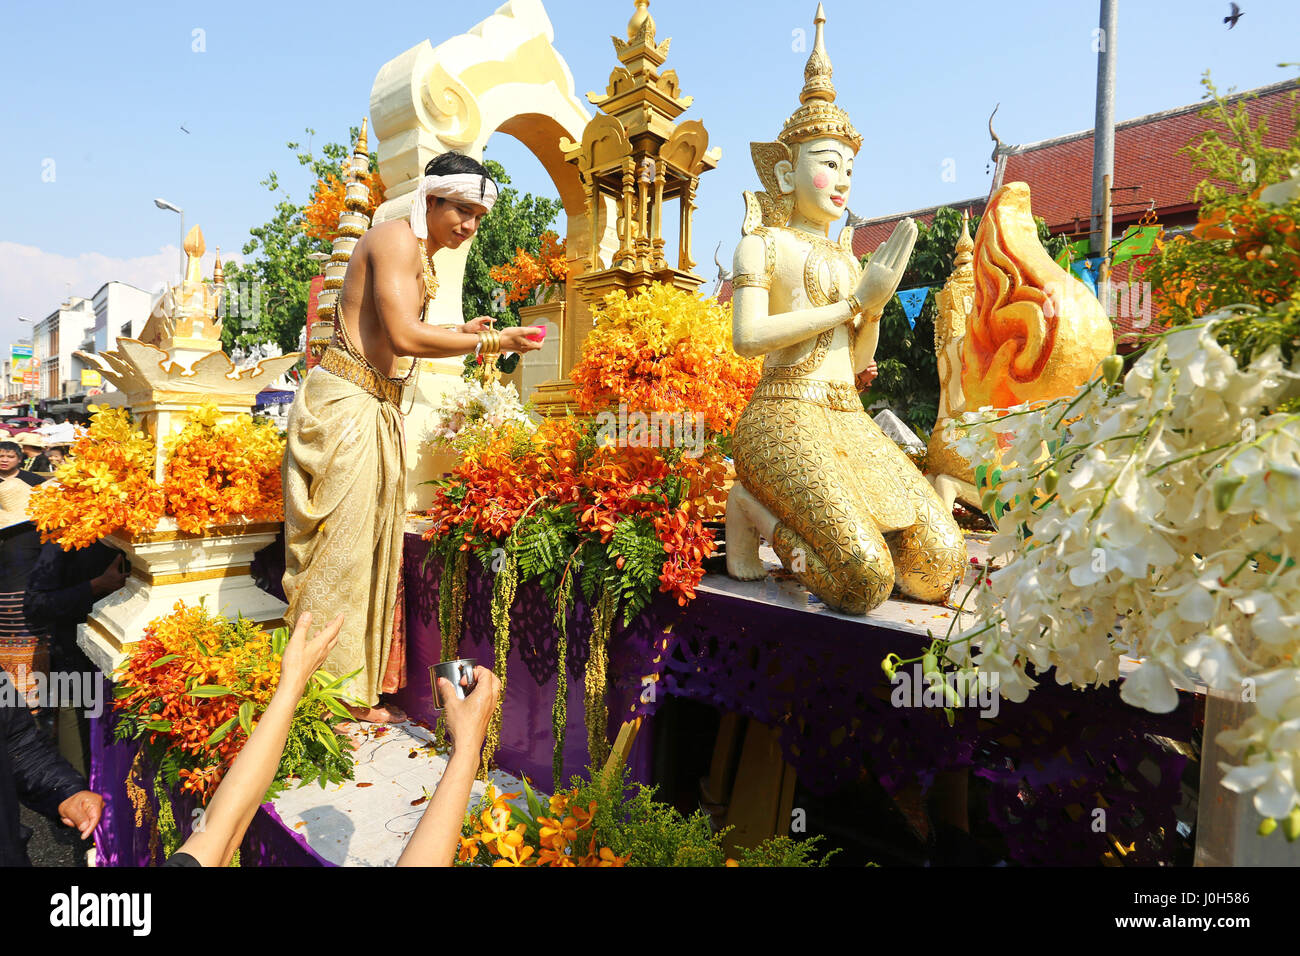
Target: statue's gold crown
(817, 114)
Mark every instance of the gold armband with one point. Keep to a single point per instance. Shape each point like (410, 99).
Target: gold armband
(745, 280)
(489, 342)
(855, 307)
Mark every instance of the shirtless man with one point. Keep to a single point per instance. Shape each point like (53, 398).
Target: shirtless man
(344, 463)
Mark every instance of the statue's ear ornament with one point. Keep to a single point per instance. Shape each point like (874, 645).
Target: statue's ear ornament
(775, 208)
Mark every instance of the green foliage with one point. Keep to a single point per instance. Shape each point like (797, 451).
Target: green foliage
(632, 823)
(908, 376)
(1243, 251)
(640, 552)
(276, 258)
(517, 221)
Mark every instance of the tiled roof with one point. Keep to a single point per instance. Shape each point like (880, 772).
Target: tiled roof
(1148, 164)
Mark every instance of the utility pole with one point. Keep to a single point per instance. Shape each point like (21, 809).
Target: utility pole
(1103, 146)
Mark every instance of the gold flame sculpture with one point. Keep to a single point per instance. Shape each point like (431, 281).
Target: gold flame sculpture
(1013, 328)
(1036, 333)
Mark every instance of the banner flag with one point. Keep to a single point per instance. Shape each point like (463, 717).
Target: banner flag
(913, 300)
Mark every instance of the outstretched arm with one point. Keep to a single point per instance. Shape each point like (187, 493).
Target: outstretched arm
(245, 784)
(435, 839)
(399, 302)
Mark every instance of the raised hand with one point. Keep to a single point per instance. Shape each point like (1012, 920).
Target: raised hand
(884, 272)
(302, 657)
(467, 720)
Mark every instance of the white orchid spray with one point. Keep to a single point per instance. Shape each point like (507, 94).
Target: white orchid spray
(473, 409)
(1155, 517)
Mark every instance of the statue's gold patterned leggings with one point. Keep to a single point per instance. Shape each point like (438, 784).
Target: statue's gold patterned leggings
(854, 514)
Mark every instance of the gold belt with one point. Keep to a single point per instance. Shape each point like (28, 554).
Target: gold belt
(838, 396)
(361, 375)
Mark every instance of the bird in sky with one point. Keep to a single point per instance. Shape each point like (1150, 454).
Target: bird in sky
(1233, 17)
(183, 129)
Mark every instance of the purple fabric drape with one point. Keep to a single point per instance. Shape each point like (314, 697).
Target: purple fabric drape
(817, 679)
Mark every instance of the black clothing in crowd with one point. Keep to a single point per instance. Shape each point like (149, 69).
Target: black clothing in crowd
(59, 597)
(31, 773)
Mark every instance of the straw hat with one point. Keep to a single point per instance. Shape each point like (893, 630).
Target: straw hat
(30, 440)
(14, 493)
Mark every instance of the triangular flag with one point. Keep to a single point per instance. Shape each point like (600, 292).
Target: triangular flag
(1086, 270)
(913, 300)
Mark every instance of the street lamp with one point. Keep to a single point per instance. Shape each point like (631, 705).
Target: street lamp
(164, 204)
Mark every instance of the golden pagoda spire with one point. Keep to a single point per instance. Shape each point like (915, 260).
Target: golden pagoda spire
(641, 28)
(965, 244)
(218, 274)
(817, 83)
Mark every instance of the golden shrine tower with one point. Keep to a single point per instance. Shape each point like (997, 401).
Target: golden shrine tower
(635, 156)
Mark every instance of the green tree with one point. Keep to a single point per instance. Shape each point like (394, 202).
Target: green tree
(275, 277)
(908, 374)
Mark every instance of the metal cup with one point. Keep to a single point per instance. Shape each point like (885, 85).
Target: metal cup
(453, 671)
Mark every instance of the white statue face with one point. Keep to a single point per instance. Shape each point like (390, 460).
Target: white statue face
(820, 179)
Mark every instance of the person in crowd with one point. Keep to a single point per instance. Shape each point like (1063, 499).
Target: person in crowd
(33, 774)
(11, 464)
(24, 651)
(437, 836)
(61, 590)
(238, 795)
(48, 461)
(241, 791)
(32, 445)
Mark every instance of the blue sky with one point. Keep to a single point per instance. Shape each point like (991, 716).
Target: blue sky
(96, 95)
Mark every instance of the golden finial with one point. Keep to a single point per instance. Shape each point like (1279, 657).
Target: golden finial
(817, 114)
(194, 248)
(218, 275)
(362, 148)
(642, 26)
(817, 83)
(965, 245)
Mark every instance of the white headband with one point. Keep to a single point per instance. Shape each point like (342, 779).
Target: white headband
(459, 187)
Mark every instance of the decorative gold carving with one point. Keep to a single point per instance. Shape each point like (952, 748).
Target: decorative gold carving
(840, 396)
(776, 207)
(745, 280)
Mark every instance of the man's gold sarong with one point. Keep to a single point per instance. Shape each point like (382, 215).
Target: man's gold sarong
(344, 499)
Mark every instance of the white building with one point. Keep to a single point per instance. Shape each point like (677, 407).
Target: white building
(54, 339)
(120, 312)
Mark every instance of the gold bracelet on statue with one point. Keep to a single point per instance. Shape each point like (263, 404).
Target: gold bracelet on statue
(855, 307)
(745, 280)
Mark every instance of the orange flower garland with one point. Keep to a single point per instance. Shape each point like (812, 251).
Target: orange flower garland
(665, 350)
(219, 471)
(511, 837)
(106, 485)
(194, 687)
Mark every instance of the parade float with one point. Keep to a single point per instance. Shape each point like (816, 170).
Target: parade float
(1137, 537)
